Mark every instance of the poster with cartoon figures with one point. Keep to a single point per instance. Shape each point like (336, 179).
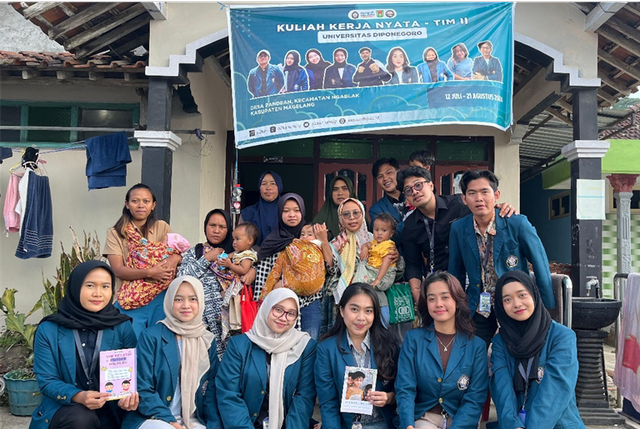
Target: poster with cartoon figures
(118, 373)
(358, 382)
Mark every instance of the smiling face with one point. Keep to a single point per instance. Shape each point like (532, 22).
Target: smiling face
(282, 316)
(365, 54)
(263, 60)
(339, 57)
(268, 188)
(353, 222)
(185, 303)
(291, 214)
(397, 59)
(217, 228)
(480, 197)
(485, 50)
(431, 55)
(358, 315)
(290, 59)
(140, 204)
(340, 192)
(517, 301)
(382, 230)
(96, 290)
(440, 303)
(387, 178)
(313, 57)
(459, 53)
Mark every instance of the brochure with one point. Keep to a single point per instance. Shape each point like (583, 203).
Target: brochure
(118, 373)
(357, 384)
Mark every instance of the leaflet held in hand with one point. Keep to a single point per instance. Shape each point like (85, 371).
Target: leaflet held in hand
(358, 382)
(118, 374)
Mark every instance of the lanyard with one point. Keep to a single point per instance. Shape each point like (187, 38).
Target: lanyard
(526, 379)
(432, 237)
(485, 261)
(88, 371)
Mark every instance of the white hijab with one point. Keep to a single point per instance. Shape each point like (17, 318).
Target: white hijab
(196, 341)
(285, 349)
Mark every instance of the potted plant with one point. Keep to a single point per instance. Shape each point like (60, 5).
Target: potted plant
(21, 383)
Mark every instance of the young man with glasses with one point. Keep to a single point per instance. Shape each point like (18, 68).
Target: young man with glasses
(426, 231)
(484, 246)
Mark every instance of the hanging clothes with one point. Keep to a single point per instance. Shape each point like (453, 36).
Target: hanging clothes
(107, 159)
(21, 207)
(626, 374)
(36, 234)
(5, 153)
(11, 217)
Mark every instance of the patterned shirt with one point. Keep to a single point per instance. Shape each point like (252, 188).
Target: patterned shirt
(489, 276)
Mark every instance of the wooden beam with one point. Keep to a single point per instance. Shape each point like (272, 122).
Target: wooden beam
(565, 105)
(558, 115)
(219, 70)
(630, 45)
(112, 36)
(103, 27)
(618, 63)
(67, 10)
(633, 8)
(613, 84)
(81, 18)
(64, 75)
(111, 82)
(623, 28)
(607, 97)
(600, 14)
(131, 44)
(39, 8)
(536, 127)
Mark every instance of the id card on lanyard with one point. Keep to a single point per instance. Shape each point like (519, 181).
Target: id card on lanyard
(86, 368)
(523, 413)
(432, 238)
(484, 306)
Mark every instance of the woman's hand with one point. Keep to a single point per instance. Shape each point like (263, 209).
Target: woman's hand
(91, 399)
(176, 425)
(213, 254)
(161, 272)
(377, 399)
(129, 403)
(250, 277)
(172, 263)
(320, 231)
(278, 284)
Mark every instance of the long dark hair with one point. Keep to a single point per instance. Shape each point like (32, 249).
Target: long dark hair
(124, 220)
(383, 343)
(463, 314)
(406, 67)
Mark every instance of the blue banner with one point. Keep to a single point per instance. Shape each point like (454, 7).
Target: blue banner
(305, 71)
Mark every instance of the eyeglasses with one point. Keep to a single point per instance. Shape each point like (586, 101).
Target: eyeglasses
(348, 215)
(417, 187)
(278, 311)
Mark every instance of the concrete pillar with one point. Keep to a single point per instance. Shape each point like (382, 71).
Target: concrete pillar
(622, 191)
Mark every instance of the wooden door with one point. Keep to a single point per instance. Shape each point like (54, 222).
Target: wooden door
(446, 176)
(360, 175)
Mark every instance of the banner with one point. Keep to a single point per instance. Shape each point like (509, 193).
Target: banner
(305, 71)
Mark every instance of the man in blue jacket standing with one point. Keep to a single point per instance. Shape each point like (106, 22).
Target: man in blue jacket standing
(385, 171)
(485, 246)
(266, 79)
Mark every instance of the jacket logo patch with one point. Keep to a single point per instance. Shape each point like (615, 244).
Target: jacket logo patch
(463, 382)
(540, 374)
(512, 261)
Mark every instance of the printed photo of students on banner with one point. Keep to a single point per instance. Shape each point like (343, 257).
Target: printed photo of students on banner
(429, 76)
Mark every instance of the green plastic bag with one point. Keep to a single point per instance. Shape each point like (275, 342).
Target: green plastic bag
(400, 303)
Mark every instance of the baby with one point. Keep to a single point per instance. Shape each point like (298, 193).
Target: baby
(240, 262)
(376, 252)
(308, 234)
(354, 381)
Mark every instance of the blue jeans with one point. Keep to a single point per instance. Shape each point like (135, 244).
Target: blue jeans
(146, 316)
(310, 318)
(385, 315)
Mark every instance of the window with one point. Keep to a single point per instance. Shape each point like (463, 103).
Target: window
(560, 205)
(635, 201)
(68, 115)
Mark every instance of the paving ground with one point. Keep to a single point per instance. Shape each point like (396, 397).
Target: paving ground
(8, 421)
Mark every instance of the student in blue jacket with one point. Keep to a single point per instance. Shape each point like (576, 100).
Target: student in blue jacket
(443, 372)
(357, 338)
(266, 374)
(67, 350)
(177, 365)
(432, 69)
(534, 360)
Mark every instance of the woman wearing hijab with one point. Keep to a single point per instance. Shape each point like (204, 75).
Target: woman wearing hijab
(534, 360)
(316, 66)
(264, 214)
(267, 373)
(432, 69)
(177, 365)
(340, 73)
(340, 188)
(199, 262)
(295, 76)
(67, 350)
(291, 213)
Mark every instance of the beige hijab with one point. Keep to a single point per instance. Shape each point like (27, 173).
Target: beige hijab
(285, 349)
(196, 341)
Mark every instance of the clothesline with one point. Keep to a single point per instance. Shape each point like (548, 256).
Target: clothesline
(75, 145)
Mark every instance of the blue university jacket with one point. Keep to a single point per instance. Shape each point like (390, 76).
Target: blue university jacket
(55, 365)
(551, 402)
(442, 71)
(259, 87)
(421, 384)
(242, 381)
(332, 77)
(491, 71)
(330, 364)
(515, 244)
(158, 372)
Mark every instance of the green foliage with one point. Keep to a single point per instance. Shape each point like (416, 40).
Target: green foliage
(15, 320)
(54, 291)
(22, 373)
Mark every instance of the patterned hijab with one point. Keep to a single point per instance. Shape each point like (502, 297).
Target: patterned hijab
(348, 243)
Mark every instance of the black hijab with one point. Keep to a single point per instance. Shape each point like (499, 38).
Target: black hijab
(524, 340)
(72, 315)
(282, 235)
(227, 243)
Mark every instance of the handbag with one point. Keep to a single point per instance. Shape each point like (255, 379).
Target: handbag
(400, 303)
(248, 308)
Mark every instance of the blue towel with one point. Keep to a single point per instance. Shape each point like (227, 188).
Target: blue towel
(36, 235)
(107, 159)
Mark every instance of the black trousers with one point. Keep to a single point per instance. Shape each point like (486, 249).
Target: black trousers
(77, 416)
(485, 326)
